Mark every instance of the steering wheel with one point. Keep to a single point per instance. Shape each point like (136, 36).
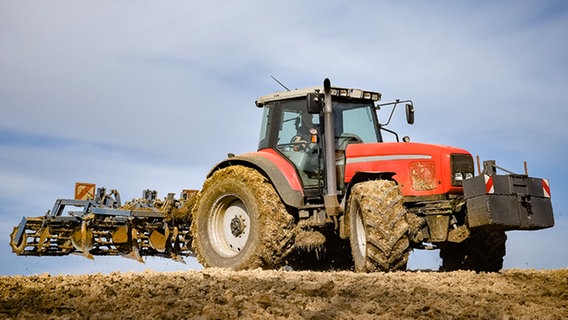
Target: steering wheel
(346, 138)
(295, 146)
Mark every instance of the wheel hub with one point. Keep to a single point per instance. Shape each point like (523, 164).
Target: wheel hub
(229, 226)
(237, 226)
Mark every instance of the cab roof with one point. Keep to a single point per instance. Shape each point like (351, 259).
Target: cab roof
(335, 91)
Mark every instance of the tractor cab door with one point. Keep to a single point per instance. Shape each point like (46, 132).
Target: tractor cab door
(353, 123)
(289, 128)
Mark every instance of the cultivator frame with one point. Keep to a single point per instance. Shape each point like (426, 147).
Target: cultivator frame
(102, 227)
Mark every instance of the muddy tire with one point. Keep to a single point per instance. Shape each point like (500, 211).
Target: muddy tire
(483, 251)
(378, 227)
(240, 221)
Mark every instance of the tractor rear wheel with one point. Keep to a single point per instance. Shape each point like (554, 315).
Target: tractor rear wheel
(378, 227)
(483, 251)
(240, 221)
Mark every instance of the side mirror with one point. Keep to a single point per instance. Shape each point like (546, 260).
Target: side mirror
(315, 103)
(409, 113)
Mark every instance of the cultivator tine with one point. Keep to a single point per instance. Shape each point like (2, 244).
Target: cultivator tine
(120, 235)
(134, 254)
(158, 241)
(82, 240)
(43, 236)
(134, 251)
(177, 258)
(176, 246)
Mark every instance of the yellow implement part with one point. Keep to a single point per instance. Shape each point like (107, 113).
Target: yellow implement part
(18, 248)
(82, 240)
(120, 235)
(158, 240)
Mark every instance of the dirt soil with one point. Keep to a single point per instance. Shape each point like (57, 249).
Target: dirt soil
(256, 294)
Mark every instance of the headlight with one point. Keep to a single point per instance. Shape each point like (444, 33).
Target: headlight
(462, 168)
(355, 94)
(458, 176)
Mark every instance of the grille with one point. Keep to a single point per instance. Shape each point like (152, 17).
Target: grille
(462, 168)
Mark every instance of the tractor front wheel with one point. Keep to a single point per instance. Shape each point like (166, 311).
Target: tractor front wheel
(378, 227)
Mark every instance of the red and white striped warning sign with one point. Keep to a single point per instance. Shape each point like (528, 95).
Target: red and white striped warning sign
(546, 187)
(489, 188)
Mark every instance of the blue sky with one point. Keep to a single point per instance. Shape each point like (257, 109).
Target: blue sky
(139, 94)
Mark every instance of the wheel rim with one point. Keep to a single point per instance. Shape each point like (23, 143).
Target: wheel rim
(229, 226)
(360, 235)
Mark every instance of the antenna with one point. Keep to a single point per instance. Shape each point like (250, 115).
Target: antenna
(280, 83)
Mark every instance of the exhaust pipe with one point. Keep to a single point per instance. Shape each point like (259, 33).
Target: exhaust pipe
(330, 198)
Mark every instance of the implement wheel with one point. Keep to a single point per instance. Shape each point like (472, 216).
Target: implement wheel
(240, 222)
(378, 226)
(18, 245)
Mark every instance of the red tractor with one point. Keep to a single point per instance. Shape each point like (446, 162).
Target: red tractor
(323, 183)
(323, 191)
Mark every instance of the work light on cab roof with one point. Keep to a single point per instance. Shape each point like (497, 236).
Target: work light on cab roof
(335, 92)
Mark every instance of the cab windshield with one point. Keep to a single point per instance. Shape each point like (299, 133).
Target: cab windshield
(356, 120)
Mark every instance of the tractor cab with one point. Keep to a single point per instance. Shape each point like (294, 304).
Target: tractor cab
(293, 124)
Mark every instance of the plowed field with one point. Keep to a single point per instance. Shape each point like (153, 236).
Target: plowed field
(256, 294)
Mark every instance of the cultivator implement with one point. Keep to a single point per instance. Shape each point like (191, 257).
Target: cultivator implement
(100, 226)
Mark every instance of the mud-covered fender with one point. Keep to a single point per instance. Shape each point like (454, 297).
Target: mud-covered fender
(278, 170)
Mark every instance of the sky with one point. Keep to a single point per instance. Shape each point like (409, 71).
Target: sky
(134, 95)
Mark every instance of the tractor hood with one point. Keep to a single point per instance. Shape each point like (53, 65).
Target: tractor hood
(421, 169)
